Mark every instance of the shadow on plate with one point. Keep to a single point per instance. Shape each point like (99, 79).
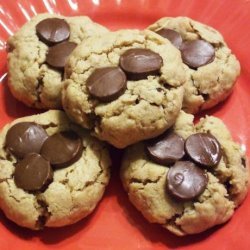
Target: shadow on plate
(157, 234)
(47, 235)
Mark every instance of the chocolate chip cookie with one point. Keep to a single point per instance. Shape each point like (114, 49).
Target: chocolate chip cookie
(37, 55)
(52, 172)
(190, 178)
(125, 87)
(211, 67)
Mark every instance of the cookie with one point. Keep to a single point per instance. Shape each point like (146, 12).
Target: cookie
(125, 87)
(37, 54)
(52, 172)
(189, 179)
(211, 67)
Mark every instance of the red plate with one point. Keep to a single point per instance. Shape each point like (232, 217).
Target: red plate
(116, 224)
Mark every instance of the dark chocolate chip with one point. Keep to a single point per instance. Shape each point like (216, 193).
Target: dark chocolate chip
(204, 149)
(197, 53)
(205, 97)
(53, 30)
(186, 181)
(62, 149)
(107, 84)
(166, 149)
(33, 173)
(160, 89)
(243, 162)
(140, 63)
(24, 138)
(228, 186)
(173, 36)
(57, 55)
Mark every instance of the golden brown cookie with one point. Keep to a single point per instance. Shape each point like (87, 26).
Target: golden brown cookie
(35, 60)
(125, 87)
(211, 67)
(73, 171)
(180, 194)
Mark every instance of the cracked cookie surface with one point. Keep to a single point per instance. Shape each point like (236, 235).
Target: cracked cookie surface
(145, 109)
(213, 82)
(31, 80)
(75, 190)
(145, 182)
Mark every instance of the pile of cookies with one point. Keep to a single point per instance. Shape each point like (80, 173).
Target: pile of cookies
(133, 89)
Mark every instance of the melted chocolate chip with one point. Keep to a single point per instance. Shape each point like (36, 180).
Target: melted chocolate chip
(107, 84)
(160, 89)
(62, 149)
(24, 138)
(53, 30)
(243, 162)
(140, 63)
(205, 97)
(166, 149)
(186, 181)
(197, 53)
(204, 149)
(173, 36)
(33, 173)
(57, 55)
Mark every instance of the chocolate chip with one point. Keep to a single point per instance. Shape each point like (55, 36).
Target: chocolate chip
(57, 55)
(107, 84)
(24, 138)
(243, 162)
(160, 89)
(205, 97)
(33, 173)
(62, 149)
(228, 186)
(53, 30)
(140, 63)
(173, 36)
(166, 149)
(204, 149)
(186, 181)
(197, 53)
